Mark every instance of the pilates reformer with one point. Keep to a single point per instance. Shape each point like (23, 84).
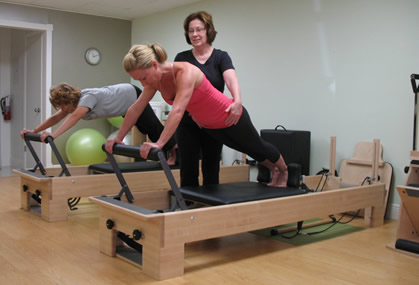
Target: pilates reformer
(47, 191)
(155, 225)
(28, 137)
(407, 237)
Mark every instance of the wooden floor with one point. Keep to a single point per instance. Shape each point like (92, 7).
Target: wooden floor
(33, 251)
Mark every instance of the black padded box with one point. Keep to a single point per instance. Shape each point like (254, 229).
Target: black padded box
(294, 145)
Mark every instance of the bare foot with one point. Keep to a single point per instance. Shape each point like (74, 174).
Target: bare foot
(283, 178)
(279, 178)
(275, 177)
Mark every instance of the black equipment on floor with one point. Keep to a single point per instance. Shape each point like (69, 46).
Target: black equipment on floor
(294, 145)
(407, 245)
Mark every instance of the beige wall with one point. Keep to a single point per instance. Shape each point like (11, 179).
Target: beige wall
(334, 67)
(72, 35)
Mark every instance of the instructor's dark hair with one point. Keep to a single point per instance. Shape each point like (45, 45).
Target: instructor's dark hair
(204, 17)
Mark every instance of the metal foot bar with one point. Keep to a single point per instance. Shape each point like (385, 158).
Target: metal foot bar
(72, 202)
(154, 154)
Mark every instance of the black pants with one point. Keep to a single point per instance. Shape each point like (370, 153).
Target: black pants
(150, 125)
(245, 138)
(194, 144)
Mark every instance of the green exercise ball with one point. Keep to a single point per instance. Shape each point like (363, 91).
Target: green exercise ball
(116, 121)
(84, 147)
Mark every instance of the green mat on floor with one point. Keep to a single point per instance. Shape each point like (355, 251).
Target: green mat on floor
(301, 239)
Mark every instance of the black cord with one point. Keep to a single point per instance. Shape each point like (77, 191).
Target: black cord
(291, 237)
(355, 216)
(275, 232)
(366, 179)
(299, 228)
(237, 161)
(324, 184)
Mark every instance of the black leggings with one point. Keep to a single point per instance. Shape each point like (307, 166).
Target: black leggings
(150, 125)
(194, 144)
(245, 138)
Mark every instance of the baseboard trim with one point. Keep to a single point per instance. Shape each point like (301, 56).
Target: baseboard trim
(393, 212)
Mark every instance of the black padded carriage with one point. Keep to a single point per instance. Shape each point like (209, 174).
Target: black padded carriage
(236, 192)
(216, 194)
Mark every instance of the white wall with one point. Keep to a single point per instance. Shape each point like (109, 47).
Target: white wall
(18, 97)
(5, 146)
(333, 67)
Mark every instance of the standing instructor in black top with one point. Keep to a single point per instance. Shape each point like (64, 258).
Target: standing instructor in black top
(193, 142)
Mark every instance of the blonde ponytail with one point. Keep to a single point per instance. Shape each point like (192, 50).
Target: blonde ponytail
(142, 56)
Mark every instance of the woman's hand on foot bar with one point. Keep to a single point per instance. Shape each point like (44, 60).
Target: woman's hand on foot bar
(109, 144)
(146, 147)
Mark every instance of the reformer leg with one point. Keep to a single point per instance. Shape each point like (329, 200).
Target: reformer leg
(374, 216)
(54, 210)
(162, 258)
(163, 261)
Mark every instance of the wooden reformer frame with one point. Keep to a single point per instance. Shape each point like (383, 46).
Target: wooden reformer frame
(55, 189)
(163, 235)
(407, 236)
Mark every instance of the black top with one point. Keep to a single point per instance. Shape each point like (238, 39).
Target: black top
(213, 68)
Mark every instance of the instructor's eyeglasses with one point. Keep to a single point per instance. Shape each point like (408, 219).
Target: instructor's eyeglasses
(197, 30)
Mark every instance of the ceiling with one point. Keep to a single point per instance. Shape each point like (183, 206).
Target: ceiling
(120, 9)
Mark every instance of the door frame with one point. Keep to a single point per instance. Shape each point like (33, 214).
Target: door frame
(46, 29)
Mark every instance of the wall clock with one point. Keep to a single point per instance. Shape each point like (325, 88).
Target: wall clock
(92, 56)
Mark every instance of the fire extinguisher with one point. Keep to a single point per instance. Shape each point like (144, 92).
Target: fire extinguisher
(5, 108)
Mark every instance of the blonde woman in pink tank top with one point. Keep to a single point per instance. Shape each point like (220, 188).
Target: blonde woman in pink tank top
(185, 87)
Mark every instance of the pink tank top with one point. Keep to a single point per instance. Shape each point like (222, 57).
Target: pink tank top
(207, 105)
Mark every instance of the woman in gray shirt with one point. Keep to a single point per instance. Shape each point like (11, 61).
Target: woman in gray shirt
(75, 104)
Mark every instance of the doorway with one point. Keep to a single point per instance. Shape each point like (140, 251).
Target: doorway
(30, 78)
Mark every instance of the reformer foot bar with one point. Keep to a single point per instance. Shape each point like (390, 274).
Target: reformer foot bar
(54, 189)
(28, 137)
(162, 232)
